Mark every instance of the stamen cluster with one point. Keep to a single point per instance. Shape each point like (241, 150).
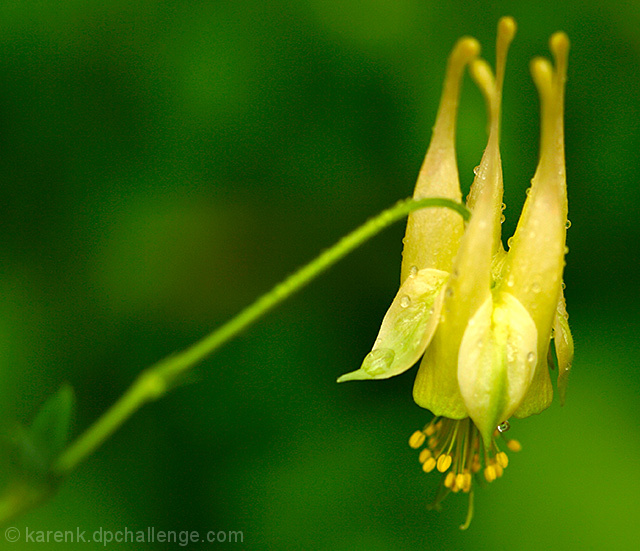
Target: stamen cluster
(456, 449)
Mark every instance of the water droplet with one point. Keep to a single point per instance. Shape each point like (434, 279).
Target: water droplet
(449, 292)
(378, 361)
(510, 242)
(476, 169)
(528, 191)
(510, 281)
(504, 426)
(502, 218)
(566, 250)
(563, 286)
(413, 271)
(535, 287)
(531, 357)
(405, 301)
(503, 206)
(567, 224)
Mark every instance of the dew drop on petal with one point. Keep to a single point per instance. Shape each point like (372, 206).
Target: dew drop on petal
(502, 219)
(531, 357)
(567, 224)
(535, 287)
(378, 361)
(504, 426)
(503, 206)
(405, 301)
(476, 169)
(413, 271)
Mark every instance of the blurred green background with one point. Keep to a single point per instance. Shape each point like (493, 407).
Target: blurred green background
(163, 163)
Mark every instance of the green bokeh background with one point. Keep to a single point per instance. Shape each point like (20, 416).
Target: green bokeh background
(163, 163)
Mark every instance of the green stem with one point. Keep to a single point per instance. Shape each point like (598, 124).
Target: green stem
(158, 379)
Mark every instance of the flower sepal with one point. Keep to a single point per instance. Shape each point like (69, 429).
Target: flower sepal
(496, 362)
(407, 327)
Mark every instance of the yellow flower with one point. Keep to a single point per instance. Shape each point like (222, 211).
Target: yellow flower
(481, 318)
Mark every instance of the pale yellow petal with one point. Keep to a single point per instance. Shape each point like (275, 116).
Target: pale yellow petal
(540, 393)
(436, 385)
(432, 235)
(497, 362)
(470, 283)
(489, 173)
(564, 347)
(407, 328)
(535, 261)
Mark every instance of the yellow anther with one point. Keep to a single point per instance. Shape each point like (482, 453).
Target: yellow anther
(430, 430)
(424, 455)
(460, 480)
(444, 462)
(514, 445)
(490, 473)
(466, 485)
(498, 469)
(449, 479)
(433, 442)
(475, 466)
(502, 459)
(429, 465)
(417, 439)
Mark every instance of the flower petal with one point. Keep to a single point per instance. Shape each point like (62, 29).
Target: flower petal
(564, 347)
(432, 235)
(490, 167)
(407, 328)
(496, 362)
(470, 283)
(535, 261)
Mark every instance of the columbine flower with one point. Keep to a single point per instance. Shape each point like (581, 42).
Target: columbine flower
(481, 317)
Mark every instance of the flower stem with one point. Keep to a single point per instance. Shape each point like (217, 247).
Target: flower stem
(158, 379)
